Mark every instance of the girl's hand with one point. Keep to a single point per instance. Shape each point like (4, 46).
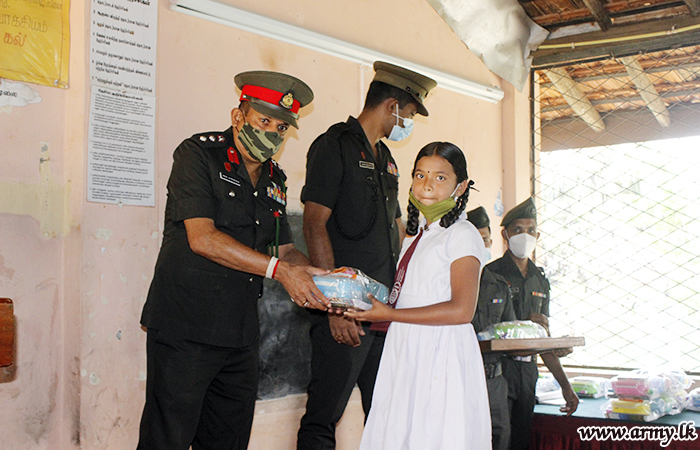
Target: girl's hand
(379, 312)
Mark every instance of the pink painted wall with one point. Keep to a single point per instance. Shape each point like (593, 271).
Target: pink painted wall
(78, 272)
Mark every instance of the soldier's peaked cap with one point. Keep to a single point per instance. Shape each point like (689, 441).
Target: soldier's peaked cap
(407, 80)
(274, 94)
(525, 210)
(478, 217)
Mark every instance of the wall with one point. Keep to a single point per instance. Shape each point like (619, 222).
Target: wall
(78, 272)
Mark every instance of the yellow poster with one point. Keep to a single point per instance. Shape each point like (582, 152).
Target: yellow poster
(34, 40)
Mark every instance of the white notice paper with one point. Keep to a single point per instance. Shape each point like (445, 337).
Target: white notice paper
(121, 148)
(123, 44)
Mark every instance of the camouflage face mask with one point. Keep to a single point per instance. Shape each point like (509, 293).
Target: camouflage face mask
(261, 145)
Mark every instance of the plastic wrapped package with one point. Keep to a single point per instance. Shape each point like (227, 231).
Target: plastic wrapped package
(636, 410)
(592, 387)
(515, 329)
(650, 383)
(643, 386)
(647, 410)
(694, 400)
(346, 287)
(546, 383)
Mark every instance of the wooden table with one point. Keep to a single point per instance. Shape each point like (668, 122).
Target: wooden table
(537, 345)
(551, 430)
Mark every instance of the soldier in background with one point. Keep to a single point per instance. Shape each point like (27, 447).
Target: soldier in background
(530, 289)
(495, 305)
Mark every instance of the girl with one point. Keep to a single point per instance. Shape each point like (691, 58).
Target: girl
(430, 391)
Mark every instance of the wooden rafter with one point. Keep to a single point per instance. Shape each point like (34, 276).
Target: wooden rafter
(647, 90)
(599, 13)
(573, 95)
(693, 7)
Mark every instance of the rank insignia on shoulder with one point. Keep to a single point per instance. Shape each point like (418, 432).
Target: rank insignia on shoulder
(287, 100)
(276, 193)
(392, 169)
(497, 300)
(210, 138)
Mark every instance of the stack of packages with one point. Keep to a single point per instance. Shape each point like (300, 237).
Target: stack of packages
(646, 395)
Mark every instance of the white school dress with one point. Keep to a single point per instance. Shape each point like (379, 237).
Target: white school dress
(430, 391)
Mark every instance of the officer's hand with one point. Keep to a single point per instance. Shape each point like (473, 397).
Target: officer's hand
(345, 330)
(571, 400)
(300, 286)
(540, 319)
(562, 352)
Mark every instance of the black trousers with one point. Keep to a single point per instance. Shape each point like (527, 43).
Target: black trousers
(197, 395)
(335, 369)
(500, 417)
(522, 381)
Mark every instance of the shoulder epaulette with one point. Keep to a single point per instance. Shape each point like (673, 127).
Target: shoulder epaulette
(211, 139)
(279, 169)
(339, 128)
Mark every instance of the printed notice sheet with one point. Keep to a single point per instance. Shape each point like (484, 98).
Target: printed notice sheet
(123, 44)
(121, 148)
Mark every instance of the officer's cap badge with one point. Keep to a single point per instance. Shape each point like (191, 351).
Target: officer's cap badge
(287, 100)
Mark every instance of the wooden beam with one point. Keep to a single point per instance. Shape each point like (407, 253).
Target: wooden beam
(647, 90)
(693, 7)
(575, 98)
(573, 52)
(599, 13)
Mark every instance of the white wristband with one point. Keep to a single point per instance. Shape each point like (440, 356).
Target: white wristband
(271, 267)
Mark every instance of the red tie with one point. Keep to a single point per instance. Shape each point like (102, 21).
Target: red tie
(398, 282)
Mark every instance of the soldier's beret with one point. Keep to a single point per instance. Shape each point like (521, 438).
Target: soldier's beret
(478, 217)
(525, 210)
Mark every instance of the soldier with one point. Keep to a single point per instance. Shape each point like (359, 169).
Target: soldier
(352, 218)
(530, 289)
(224, 215)
(494, 305)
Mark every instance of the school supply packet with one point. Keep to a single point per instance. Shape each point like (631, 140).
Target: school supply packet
(347, 287)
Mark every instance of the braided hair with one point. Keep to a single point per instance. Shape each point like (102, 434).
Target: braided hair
(452, 154)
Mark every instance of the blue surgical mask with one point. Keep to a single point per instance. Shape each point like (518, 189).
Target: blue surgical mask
(399, 133)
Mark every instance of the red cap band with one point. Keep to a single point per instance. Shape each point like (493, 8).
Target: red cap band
(267, 95)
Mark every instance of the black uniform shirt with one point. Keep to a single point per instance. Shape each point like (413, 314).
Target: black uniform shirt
(190, 295)
(531, 293)
(495, 305)
(343, 175)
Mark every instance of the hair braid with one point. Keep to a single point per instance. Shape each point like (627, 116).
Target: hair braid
(452, 216)
(412, 220)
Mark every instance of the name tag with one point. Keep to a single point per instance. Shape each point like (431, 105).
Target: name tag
(229, 179)
(367, 165)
